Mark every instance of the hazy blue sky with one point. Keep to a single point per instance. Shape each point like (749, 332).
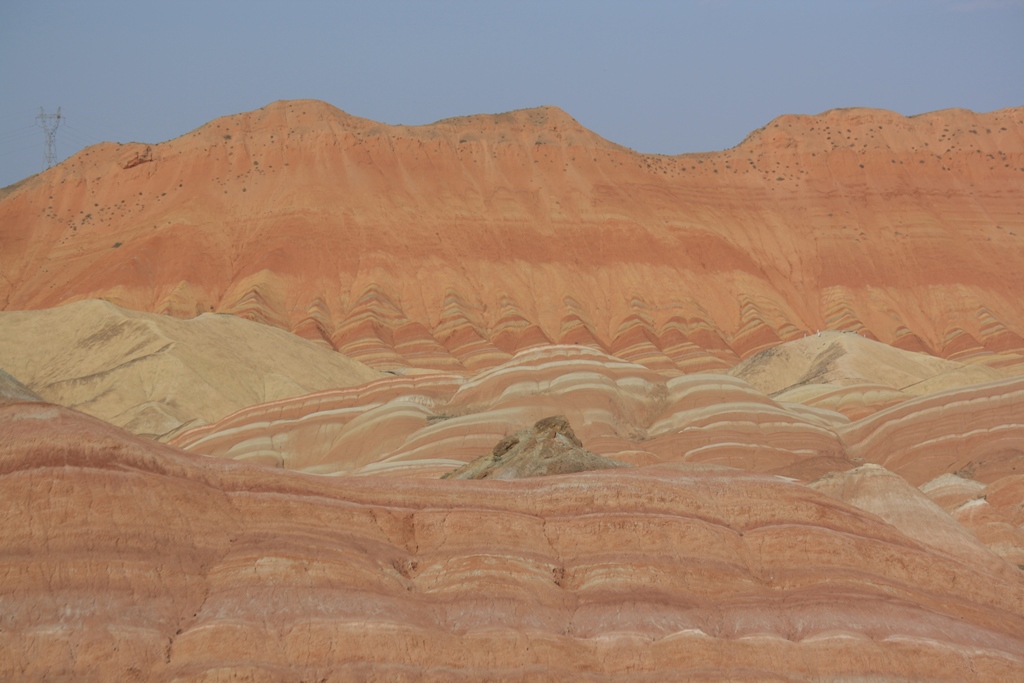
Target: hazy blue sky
(665, 77)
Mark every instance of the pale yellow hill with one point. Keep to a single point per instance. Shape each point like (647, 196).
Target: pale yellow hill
(845, 359)
(154, 374)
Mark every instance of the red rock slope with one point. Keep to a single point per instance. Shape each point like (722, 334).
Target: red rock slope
(124, 559)
(453, 245)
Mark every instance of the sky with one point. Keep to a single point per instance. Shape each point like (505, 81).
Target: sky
(659, 77)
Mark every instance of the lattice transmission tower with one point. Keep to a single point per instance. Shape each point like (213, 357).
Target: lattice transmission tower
(49, 123)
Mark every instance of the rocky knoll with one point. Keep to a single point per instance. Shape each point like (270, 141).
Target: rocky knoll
(125, 559)
(452, 246)
(549, 447)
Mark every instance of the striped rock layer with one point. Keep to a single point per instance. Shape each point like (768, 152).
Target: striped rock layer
(800, 504)
(426, 425)
(124, 559)
(454, 245)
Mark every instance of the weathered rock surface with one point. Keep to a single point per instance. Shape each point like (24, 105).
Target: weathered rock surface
(13, 390)
(975, 430)
(876, 490)
(994, 512)
(428, 425)
(126, 559)
(504, 269)
(854, 375)
(154, 374)
(453, 245)
(549, 447)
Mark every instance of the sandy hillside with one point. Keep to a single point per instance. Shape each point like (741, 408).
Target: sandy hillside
(154, 374)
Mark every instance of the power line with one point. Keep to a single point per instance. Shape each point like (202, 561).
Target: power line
(17, 132)
(11, 152)
(49, 123)
(81, 135)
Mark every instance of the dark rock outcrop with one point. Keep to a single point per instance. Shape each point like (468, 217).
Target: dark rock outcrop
(549, 447)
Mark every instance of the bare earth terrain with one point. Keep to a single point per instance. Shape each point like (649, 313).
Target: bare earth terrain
(301, 396)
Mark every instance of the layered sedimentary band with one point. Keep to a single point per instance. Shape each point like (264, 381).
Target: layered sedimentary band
(425, 425)
(454, 245)
(191, 567)
(780, 388)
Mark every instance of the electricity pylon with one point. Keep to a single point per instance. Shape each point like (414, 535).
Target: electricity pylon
(49, 123)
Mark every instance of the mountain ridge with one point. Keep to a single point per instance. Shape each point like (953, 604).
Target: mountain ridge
(525, 228)
(321, 316)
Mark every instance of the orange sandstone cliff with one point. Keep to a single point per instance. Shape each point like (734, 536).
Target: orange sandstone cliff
(455, 244)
